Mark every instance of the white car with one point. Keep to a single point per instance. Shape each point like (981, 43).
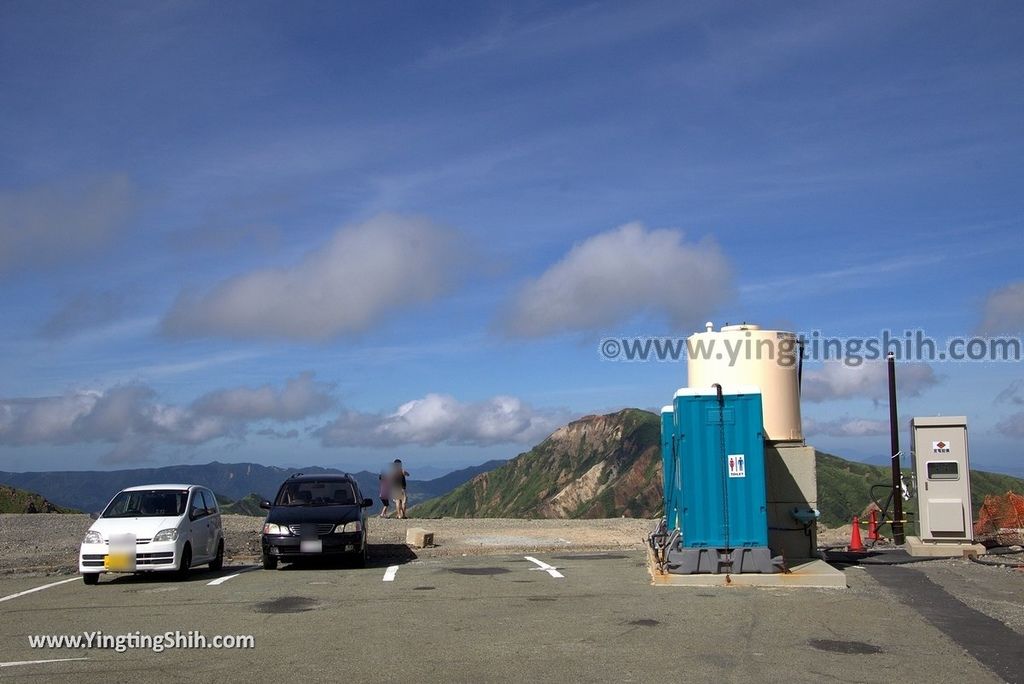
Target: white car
(162, 527)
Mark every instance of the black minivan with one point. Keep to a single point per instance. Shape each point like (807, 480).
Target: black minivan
(315, 516)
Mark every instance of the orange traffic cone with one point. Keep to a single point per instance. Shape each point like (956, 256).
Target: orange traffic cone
(856, 544)
(873, 526)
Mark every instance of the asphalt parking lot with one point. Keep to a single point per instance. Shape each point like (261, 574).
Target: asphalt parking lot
(549, 617)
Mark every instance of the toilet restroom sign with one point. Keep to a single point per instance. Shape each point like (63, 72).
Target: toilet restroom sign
(737, 465)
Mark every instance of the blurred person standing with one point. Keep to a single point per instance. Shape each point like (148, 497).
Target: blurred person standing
(384, 493)
(398, 486)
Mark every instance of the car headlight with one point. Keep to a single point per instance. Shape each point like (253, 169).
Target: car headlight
(271, 528)
(170, 534)
(348, 527)
(93, 537)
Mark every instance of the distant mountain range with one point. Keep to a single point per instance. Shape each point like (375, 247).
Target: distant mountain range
(595, 467)
(608, 466)
(92, 490)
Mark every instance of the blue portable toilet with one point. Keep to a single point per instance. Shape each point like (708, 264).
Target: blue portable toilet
(714, 461)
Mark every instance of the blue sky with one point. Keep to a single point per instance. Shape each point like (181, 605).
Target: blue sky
(341, 233)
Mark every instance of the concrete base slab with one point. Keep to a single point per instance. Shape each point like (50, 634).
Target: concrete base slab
(811, 573)
(916, 547)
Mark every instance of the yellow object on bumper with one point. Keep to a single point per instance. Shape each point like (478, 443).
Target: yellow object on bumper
(119, 562)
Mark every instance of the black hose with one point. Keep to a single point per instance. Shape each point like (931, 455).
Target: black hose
(904, 561)
(854, 558)
(996, 564)
(1002, 551)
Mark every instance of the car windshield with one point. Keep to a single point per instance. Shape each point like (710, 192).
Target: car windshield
(316, 493)
(147, 503)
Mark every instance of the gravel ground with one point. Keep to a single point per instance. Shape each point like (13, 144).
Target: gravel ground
(49, 543)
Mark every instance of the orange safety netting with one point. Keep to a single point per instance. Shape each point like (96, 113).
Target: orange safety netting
(1001, 519)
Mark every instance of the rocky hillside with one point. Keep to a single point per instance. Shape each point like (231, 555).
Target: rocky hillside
(20, 501)
(595, 467)
(610, 466)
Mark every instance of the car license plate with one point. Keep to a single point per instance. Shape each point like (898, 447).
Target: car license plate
(119, 562)
(311, 546)
(122, 554)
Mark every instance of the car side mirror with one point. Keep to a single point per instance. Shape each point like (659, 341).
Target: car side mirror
(366, 503)
(265, 504)
(94, 516)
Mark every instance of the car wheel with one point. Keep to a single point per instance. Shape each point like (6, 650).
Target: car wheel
(269, 562)
(186, 562)
(218, 562)
(91, 578)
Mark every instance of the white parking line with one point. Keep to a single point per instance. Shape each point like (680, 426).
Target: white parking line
(389, 574)
(45, 586)
(222, 580)
(14, 663)
(550, 569)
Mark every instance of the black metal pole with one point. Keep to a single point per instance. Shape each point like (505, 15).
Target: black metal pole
(898, 535)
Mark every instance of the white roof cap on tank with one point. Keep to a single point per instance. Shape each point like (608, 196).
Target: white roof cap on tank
(712, 391)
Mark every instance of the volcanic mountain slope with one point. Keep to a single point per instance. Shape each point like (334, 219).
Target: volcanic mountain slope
(610, 466)
(595, 467)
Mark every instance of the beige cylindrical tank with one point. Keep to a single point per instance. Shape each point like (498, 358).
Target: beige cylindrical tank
(746, 355)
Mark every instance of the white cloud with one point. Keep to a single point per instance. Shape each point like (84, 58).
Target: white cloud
(44, 420)
(1004, 310)
(579, 28)
(1013, 394)
(612, 277)
(110, 416)
(836, 380)
(84, 311)
(442, 419)
(131, 417)
(195, 364)
(299, 398)
(183, 425)
(362, 274)
(846, 427)
(121, 410)
(844, 278)
(1012, 425)
(130, 450)
(45, 225)
(278, 434)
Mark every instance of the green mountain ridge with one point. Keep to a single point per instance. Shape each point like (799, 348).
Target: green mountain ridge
(610, 466)
(247, 505)
(14, 500)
